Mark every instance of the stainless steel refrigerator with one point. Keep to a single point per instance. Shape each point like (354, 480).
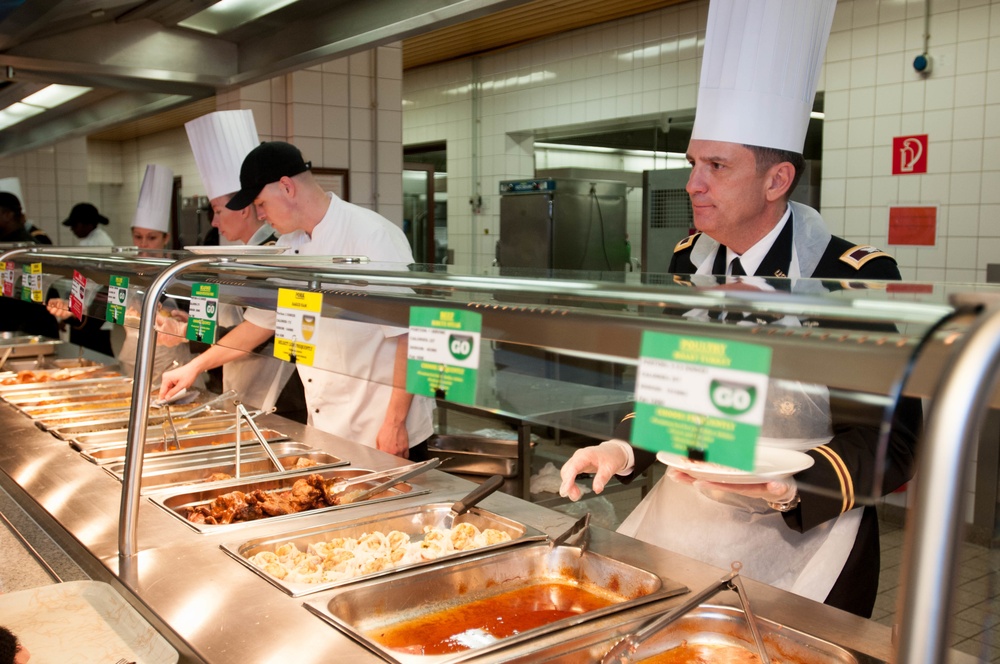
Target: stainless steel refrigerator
(563, 224)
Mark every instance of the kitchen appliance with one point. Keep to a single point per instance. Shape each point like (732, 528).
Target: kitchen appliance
(563, 224)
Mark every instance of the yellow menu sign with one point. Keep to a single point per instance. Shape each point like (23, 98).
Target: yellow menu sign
(297, 325)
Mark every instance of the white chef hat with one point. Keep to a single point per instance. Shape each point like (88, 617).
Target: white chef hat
(220, 141)
(12, 186)
(759, 71)
(153, 210)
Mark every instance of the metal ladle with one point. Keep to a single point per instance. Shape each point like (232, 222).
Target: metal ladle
(623, 651)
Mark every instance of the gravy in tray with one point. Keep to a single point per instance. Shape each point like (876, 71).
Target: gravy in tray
(484, 621)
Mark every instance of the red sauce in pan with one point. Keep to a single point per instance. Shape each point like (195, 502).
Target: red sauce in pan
(705, 653)
(481, 622)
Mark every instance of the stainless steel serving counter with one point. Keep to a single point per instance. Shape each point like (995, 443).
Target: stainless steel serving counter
(212, 609)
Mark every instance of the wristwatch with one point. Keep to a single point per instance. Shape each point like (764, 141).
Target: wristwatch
(787, 505)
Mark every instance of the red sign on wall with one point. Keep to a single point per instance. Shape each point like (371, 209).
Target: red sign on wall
(909, 154)
(915, 226)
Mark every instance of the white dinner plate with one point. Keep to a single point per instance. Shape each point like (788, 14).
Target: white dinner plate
(771, 463)
(237, 249)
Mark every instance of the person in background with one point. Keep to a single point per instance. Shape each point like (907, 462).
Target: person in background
(220, 141)
(15, 314)
(12, 185)
(151, 233)
(745, 164)
(12, 651)
(12, 227)
(85, 222)
(356, 388)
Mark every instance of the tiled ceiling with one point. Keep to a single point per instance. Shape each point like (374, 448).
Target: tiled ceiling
(502, 29)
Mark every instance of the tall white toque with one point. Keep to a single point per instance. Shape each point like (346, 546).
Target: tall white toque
(759, 71)
(153, 210)
(220, 141)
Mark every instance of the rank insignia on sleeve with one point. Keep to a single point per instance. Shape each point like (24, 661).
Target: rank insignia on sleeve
(860, 254)
(686, 242)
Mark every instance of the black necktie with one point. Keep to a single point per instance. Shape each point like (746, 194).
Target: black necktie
(736, 268)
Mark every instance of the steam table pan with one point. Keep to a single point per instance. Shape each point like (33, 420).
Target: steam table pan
(443, 594)
(177, 503)
(166, 446)
(409, 520)
(253, 463)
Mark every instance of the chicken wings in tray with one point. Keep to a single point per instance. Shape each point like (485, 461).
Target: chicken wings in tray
(230, 504)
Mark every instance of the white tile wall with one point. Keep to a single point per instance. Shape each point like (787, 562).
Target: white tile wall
(636, 67)
(648, 65)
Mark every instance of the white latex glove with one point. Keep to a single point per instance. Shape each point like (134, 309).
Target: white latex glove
(602, 460)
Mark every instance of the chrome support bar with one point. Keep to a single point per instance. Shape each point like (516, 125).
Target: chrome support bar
(935, 523)
(128, 516)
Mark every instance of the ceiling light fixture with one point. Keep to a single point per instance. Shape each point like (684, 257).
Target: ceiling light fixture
(227, 15)
(45, 99)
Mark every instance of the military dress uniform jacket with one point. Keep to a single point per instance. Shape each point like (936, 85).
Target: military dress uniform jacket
(847, 463)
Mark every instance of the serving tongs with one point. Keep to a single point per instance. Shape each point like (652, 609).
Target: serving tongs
(181, 398)
(241, 415)
(623, 651)
(464, 504)
(337, 496)
(211, 402)
(576, 535)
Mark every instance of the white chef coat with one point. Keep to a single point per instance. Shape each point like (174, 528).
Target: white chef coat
(97, 238)
(258, 379)
(719, 527)
(348, 389)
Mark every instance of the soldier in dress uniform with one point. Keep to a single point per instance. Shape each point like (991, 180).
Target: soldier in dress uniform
(755, 96)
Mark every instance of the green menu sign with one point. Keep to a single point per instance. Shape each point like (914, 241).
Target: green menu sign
(203, 316)
(117, 295)
(701, 398)
(443, 353)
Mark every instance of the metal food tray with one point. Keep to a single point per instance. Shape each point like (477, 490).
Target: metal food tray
(475, 455)
(21, 394)
(51, 372)
(410, 520)
(58, 363)
(112, 425)
(382, 603)
(164, 447)
(707, 624)
(27, 345)
(174, 502)
(207, 456)
(95, 405)
(251, 465)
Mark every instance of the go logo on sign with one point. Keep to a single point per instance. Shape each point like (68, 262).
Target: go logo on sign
(460, 346)
(732, 398)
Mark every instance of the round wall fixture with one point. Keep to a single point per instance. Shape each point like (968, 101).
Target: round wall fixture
(922, 64)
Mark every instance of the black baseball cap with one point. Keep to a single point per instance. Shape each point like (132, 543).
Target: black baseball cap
(84, 213)
(268, 162)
